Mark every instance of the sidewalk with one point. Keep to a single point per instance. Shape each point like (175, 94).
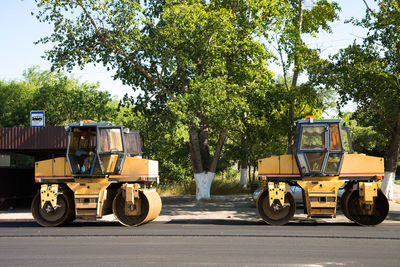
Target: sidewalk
(233, 207)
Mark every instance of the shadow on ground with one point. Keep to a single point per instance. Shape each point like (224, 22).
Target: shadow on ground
(240, 207)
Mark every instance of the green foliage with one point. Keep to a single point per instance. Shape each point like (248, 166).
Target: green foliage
(365, 139)
(15, 99)
(369, 74)
(63, 99)
(164, 140)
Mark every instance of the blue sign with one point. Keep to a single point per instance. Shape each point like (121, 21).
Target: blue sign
(37, 118)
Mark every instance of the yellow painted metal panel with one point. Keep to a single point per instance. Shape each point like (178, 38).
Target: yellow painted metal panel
(81, 188)
(362, 165)
(284, 165)
(43, 168)
(287, 165)
(268, 166)
(57, 167)
(135, 167)
(368, 191)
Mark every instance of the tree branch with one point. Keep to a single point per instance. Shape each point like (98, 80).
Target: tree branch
(195, 150)
(380, 113)
(119, 51)
(218, 150)
(368, 8)
(279, 49)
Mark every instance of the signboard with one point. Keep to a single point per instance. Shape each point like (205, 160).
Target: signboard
(37, 118)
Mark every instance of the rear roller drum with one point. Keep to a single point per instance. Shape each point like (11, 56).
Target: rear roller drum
(276, 214)
(50, 216)
(363, 216)
(150, 208)
(344, 201)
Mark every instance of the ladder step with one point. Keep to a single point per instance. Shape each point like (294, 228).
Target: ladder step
(87, 195)
(83, 212)
(323, 204)
(86, 205)
(322, 212)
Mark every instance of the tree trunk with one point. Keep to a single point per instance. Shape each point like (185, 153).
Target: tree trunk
(218, 150)
(296, 73)
(244, 161)
(254, 173)
(195, 153)
(243, 176)
(203, 184)
(204, 146)
(290, 143)
(391, 162)
(203, 172)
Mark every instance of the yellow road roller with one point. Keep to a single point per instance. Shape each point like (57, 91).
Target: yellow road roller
(322, 162)
(101, 173)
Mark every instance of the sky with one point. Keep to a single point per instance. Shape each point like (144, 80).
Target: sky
(19, 30)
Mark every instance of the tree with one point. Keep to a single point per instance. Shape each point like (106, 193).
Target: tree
(295, 56)
(165, 139)
(186, 56)
(15, 99)
(365, 139)
(63, 99)
(369, 74)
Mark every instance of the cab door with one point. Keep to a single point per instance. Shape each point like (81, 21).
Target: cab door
(110, 149)
(336, 150)
(312, 148)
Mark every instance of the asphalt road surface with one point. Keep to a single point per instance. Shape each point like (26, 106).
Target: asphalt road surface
(218, 242)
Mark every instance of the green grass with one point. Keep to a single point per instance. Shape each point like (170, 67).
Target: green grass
(226, 183)
(397, 182)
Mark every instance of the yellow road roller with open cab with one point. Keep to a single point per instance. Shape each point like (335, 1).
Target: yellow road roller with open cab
(101, 173)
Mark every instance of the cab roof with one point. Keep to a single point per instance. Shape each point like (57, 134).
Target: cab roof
(68, 127)
(314, 121)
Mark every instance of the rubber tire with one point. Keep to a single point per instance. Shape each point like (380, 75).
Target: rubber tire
(118, 207)
(380, 211)
(62, 215)
(272, 217)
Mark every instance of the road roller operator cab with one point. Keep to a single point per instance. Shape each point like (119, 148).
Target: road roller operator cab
(320, 146)
(99, 149)
(321, 163)
(102, 173)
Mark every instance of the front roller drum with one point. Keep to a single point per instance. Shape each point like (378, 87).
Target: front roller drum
(276, 214)
(150, 208)
(49, 216)
(363, 216)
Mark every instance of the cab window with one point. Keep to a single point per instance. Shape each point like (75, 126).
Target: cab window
(336, 143)
(313, 138)
(110, 140)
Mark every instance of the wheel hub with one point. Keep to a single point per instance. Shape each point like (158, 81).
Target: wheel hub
(276, 207)
(48, 208)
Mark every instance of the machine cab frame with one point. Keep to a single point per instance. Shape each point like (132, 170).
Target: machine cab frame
(95, 149)
(320, 147)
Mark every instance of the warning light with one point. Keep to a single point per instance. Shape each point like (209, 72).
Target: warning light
(309, 117)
